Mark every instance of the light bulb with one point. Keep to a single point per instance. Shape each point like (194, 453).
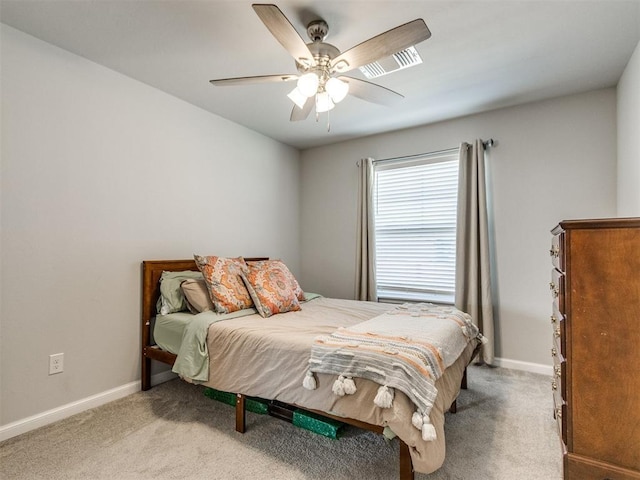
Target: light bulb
(323, 102)
(297, 97)
(308, 84)
(337, 89)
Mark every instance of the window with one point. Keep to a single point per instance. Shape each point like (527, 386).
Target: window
(415, 227)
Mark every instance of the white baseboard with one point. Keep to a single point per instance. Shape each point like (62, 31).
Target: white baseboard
(524, 366)
(25, 425)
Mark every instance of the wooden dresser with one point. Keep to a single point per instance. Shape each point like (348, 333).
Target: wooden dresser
(595, 284)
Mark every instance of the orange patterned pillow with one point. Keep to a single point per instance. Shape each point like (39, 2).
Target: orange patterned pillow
(270, 287)
(223, 277)
(280, 264)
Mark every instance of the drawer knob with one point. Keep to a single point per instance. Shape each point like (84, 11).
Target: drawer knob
(554, 385)
(556, 332)
(553, 319)
(554, 252)
(554, 352)
(557, 370)
(555, 291)
(558, 413)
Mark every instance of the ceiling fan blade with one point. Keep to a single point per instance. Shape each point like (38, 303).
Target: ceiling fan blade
(281, 28)
(223, 82)
(298, 113)
(371, 92)
(381, 46)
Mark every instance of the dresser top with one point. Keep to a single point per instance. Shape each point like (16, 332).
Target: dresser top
(630, 222)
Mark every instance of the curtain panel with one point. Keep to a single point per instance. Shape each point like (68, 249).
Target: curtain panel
(473, 276)
(365, 243)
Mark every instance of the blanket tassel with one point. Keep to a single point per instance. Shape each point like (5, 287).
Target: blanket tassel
(423, 423)
(416, 420)
(309, 381)
(428, 432)
(349, 386)
(344, 386)
(384, 397)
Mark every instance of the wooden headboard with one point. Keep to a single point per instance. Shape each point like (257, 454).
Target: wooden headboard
(151, 273)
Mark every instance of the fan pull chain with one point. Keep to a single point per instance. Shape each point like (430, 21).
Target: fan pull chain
(328, 120)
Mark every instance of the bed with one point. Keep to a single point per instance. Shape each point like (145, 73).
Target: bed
(238, 350)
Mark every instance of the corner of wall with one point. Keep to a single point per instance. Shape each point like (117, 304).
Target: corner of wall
(628, 126)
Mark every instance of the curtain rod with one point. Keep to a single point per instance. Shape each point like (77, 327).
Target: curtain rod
(487, 144)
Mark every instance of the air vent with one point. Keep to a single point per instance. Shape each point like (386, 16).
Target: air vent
(403, 59)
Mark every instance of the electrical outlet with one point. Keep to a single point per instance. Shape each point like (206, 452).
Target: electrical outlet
(56, 363)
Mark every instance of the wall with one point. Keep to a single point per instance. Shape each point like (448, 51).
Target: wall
(554, 160)
(100, 172)
(628, 135)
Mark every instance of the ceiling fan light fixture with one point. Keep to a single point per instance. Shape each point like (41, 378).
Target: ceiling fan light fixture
(323, 102)
(337, 89)
(308, 84)
(297, 97)
(320, 64)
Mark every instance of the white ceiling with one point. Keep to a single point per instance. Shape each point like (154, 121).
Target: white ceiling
(482, 54)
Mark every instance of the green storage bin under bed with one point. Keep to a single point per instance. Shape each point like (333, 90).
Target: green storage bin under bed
(255, 405)
(313, 422)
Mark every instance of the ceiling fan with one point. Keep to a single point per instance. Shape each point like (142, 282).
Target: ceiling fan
(320, 83)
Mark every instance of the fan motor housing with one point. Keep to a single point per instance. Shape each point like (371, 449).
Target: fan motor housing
(322, 52)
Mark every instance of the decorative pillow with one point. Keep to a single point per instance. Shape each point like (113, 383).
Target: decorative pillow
(197, 295)
(295, 286)
(171, 297)
(270, 287)
(226, 288)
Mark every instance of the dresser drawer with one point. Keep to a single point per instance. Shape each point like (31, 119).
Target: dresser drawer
(560, 414)
(558, 324)
(558, 382)
(582, 468)
(557, 349)
(557, 290)
(557, 251)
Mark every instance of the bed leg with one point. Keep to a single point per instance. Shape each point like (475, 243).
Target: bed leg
(145, 374)
(454, 406)
(240, 413)
(406, 465)
(463, 384)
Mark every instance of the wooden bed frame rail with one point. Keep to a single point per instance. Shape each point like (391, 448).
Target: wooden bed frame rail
(151, 273)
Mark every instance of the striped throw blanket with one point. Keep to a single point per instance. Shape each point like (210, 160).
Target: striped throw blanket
(407, 348)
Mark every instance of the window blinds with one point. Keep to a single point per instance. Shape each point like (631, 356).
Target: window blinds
(415, 228)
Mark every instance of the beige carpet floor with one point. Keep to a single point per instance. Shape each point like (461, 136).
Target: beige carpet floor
(503, 430)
